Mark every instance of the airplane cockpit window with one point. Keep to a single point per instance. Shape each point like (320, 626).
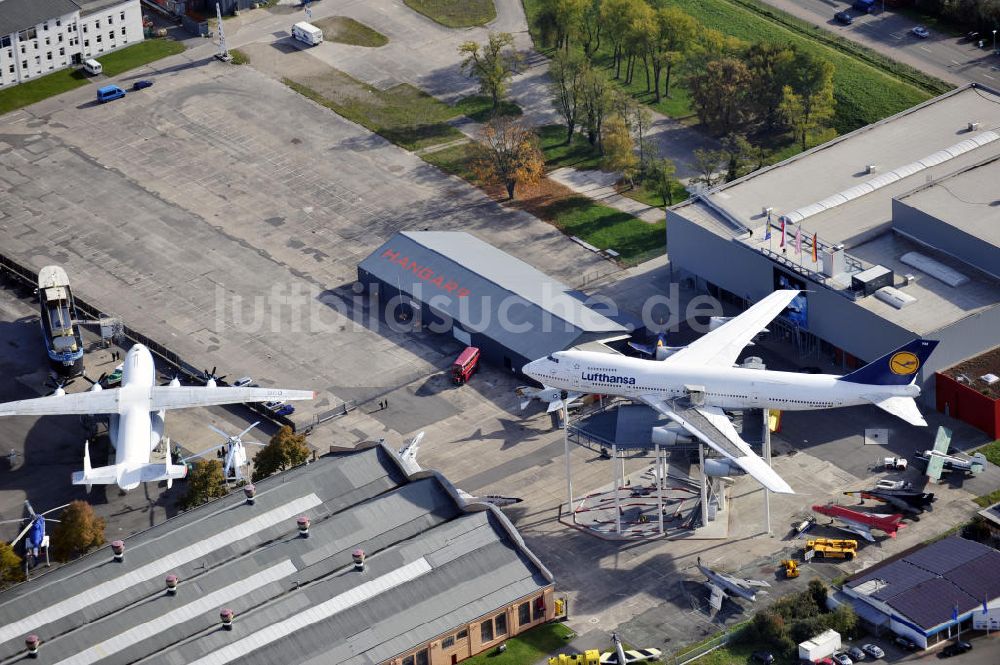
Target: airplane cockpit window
(553, 358)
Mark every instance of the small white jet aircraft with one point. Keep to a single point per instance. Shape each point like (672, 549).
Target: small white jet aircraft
(693, 386)
(136, 411)
(938, 460)
(724, 585)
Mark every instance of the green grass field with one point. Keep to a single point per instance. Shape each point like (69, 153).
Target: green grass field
(651, 198)
(992, 452)
(455, 13)
(579, 153)
(346, 30)
(40, 88)
(480, 108)
(402, 114)
(864, 93)
(527, 648)
(607, 228)
(142, 53)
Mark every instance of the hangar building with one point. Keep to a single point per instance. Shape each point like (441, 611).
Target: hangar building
(454, 283)
(926, 594)
(441, 578)
(905, 218)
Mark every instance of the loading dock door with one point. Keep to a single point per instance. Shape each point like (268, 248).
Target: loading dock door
(461, 335)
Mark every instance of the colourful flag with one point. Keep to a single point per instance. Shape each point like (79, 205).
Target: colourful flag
(767, 234)
(814, 248)
(986, 610)
(798, 240)
(954, 612)
(782, 243)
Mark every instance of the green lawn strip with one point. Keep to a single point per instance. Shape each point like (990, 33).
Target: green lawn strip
(528, 647)
(139, 54)
(453, 160)
(816, 33)
(988, 500)
(402, 114)
(864, 93)
(239, 57)
(579, 153)
(455, 13)
(480, 108)
(38, 89)
(641, 194)
(992, 452)
(346, 30)
(606, 228)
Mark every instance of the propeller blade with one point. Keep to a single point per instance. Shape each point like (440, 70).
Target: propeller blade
(23, 532)
(202, 453)
(219, 432)
(240, 435)
(220, 378)
(254, 443)
(214, 367)
(52, 510)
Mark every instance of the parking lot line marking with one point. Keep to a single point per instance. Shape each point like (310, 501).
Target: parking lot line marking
(989, 77)
(955, 62)
(924, 48)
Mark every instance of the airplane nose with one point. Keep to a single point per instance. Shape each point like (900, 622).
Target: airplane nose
(531, 369)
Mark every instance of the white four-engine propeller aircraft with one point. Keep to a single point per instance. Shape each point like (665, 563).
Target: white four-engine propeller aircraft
(693, 386)
(136, 411)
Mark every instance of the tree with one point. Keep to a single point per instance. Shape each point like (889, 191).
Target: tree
(588, 28)
(740, 156)
(659, 175)
(843, 620)
(492, 63)
(719, 94)
(818, 592)
(597, 101)
(509, 155)
(78, 530)
(706, 163)
(285, 450)
(567, 71)
(10, 565)
(558, 19)
(205, 482)
(617, 16)
(668, 38)
(619, 149)
(766, 61)
(807, 96)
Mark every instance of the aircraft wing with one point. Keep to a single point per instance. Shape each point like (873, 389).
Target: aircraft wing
(180, 397)
(942, 440)
(85, 403)
(710, 425)
(722, 346)
(935, 465)
(717, 595)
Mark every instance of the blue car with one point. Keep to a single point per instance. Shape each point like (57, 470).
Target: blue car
(142, 83)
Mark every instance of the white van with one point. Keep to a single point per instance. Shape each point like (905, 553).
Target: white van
(92, 67)
(307, 33)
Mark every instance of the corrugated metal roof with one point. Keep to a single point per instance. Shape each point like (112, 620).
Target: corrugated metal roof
(478, 285)
(925, 585)
(17, 15)
(431, 567)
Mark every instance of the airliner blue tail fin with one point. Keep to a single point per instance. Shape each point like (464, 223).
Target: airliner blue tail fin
(897, 368)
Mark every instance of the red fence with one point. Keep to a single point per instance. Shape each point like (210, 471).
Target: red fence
(968, 405)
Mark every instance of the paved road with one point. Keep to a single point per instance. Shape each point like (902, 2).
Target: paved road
(948, 58)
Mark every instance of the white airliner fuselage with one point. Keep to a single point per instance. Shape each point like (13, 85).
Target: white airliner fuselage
(724, 387)
(135, 431)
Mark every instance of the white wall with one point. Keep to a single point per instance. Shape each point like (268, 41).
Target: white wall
(52, 44)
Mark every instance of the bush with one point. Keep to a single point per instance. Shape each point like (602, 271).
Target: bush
(10, 565)
(204, 483)
(78, 530)
(285, 450)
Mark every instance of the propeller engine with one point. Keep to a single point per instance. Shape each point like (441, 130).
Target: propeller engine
(211, 379)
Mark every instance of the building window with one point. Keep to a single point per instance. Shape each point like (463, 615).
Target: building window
(501, 624)
(84, 28)
(123, 16)
(24, 64)
(423, 657)
(111, 35)
(523, 614)
(86, 43)
(462, 635)
(59, 38)
(408, 660)
(97, 22)
(539, 607)
(109, 19)
(62, 50)
(45, 26)
(58, 22)
(98, 40)
(48, 56)
(5, 41)
(448, 642)
(123, 31)
(486, 631)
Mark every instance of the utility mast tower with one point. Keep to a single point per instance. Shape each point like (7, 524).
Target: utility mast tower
(223, 53)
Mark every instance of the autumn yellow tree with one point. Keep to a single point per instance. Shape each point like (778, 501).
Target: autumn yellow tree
(204, 483)
(78, 530)
(285, 450)
(492, 64)
(10, 565)
(619, 149)
(509, 155)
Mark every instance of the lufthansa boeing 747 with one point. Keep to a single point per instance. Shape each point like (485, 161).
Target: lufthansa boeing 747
(693, 386)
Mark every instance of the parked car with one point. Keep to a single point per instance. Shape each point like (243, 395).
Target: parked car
(243, 382)
(873, 650)
(765, 657)
(956, 648)
(141, 84)
(109, 93)
(856, 654)
(115, 377)
(886, 484)
(972, 36)
(844, 17)
(921, 31)
(906, 643)
(279, 408)
(842, 659)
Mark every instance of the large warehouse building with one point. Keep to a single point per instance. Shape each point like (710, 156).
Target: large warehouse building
(441, 579)
(456, 284)
(38, 37)
(905, 214)
(927, 594)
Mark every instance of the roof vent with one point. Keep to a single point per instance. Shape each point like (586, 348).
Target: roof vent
(990, 379)
(973, 126)
(869, 281)
(766, 211)
(908, 279)
(935, 269)
(895, 297)
(871, 168)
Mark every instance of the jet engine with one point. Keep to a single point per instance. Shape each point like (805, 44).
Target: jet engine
(721, 468)
(717, 322)
(671, 434)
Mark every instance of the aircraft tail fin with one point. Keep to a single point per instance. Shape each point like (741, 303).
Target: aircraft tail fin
(897, 368)
(901, 407)
(153, 473)
(102, 475)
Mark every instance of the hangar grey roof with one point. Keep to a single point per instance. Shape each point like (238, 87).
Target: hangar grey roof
(476, 283)
(433, 564)
(926, 584)
(17, 15)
